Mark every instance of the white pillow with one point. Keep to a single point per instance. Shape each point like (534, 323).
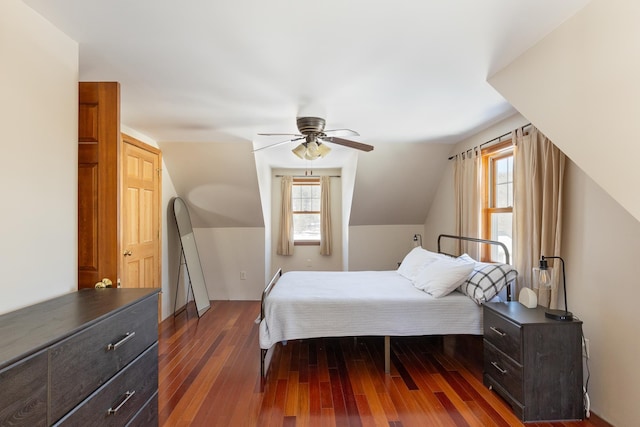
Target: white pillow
(441, 277)
(414, 261)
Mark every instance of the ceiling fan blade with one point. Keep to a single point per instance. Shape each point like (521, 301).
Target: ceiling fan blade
(343, 132)
(348, 143)
(277, 143)
(279, 134)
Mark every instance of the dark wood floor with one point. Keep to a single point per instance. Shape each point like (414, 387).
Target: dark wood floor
(210, 376)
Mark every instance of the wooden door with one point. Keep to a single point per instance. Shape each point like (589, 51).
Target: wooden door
(98, 187)
(141, 196)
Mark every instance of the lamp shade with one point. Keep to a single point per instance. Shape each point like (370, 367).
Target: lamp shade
(299, 151)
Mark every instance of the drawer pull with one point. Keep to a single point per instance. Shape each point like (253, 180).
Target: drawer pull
(498, 331)
(128, 395)
(126, 338)
(495, 365)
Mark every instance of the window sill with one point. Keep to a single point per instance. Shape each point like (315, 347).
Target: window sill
(306, 243)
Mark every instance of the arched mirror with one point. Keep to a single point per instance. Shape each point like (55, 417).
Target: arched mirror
(191, 257)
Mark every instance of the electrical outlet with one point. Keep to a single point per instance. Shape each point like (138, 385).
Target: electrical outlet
(243, 275)
(585, 349)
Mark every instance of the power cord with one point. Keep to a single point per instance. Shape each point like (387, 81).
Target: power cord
(585, 388)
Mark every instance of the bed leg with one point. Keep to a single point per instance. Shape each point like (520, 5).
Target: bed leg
(387, 355)
(263, 355)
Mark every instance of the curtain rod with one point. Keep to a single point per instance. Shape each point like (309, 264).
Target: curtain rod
(498, 138)
(309, 176)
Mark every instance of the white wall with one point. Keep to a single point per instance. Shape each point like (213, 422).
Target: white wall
(381, 247)
(224, 254)
(580, 86)
(39, 161)
(600, 247)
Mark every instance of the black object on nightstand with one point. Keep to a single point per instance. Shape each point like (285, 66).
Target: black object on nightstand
(533, 362)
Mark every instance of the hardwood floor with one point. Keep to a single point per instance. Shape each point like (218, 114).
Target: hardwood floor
(210, 376)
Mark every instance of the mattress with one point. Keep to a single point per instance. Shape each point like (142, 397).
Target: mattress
(312, 304)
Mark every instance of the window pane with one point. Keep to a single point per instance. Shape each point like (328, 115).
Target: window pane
(503, 185)
(305, 198)
(501, 231)
(305, 191)
(306, 227)
(296, 204)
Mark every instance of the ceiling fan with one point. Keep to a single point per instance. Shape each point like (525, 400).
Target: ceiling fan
(314, 136)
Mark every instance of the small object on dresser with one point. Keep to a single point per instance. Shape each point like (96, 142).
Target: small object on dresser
(528, 298)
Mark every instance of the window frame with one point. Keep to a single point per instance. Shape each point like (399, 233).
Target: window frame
(299, 182)
(490, 155)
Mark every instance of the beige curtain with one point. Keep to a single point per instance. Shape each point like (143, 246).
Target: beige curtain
(325, 215)
(539, 175)
(285, 237)
(468, 193)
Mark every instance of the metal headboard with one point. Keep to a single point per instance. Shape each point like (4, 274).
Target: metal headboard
(476, 240)
(507, 258)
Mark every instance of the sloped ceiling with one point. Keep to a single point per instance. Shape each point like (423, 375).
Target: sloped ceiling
(212, 72)
(396, 183)
(580, 87)
(218, 181)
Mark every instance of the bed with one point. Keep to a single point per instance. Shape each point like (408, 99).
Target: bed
(312, 304)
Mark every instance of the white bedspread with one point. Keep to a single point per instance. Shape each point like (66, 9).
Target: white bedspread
(311, 304)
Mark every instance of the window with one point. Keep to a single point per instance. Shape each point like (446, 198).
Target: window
(305, 195)
(497, 212)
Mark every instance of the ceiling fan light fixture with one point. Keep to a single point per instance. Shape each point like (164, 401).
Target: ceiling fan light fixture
(312, 131)
(300, 151)
(311, 150)
(323, 149)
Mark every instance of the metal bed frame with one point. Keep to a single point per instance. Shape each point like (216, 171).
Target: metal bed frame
(387, 339)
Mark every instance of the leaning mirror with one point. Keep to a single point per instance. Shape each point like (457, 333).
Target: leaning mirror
(191, 257)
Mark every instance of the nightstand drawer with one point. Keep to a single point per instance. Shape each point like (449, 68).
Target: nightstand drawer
(503, 334)
(120, 399)
(148, 415)
(97, 353)
(504, 371)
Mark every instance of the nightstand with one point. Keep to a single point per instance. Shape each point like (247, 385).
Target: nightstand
(533, 362)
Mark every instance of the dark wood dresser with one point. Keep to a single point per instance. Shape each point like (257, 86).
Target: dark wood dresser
(85, 358)
(533, 362)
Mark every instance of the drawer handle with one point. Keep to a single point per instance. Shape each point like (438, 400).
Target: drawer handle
(495, 365)
(128, 395)
(127, 337)
(498, 331)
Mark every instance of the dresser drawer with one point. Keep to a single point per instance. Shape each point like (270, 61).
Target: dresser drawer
(503, 371)
(148, 415)
(83, 362)
(23, 392)
(503, 334)
(118, 401)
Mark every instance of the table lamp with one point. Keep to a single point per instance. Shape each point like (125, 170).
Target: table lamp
(544, 278)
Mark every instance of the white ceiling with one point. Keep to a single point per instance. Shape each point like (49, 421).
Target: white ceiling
(222, 71)
(204, 77)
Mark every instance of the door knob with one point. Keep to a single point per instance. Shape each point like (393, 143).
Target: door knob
(127, 253)
(105, 283)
